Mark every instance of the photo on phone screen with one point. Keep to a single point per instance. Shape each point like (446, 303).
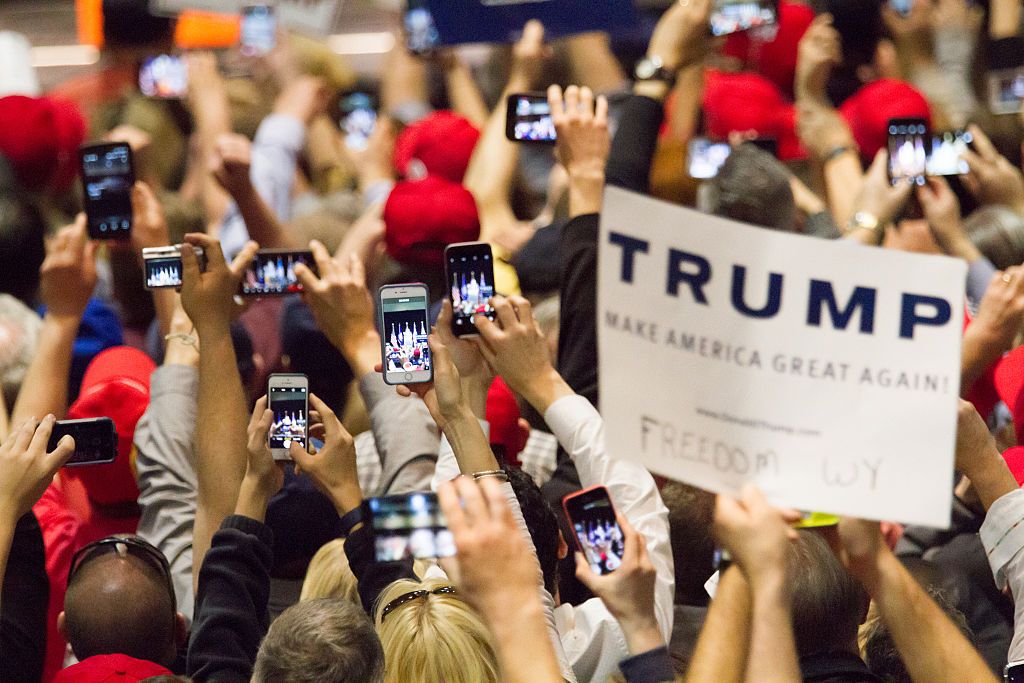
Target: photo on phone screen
(528, 119)
(404, 329)
(162, 266)
(469, 271)
(598, 534)
(421, 34)
(707, 157)
(946, 156)
(107, 178)
(164, 76)
(730, 16)
(95, 440)
(358, 117)
(1006, 91)
(273, 272)
(288, 399)
(259, 30)
(409, 526)
(908, 144)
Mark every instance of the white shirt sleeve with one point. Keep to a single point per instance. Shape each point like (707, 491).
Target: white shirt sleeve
(592, 637)
(1002, 535)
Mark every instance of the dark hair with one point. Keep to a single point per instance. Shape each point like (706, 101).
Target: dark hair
(541, 521)
(752, 186)
(129, 23)
(861, 28)
(828, 603)
(22, 248)
(690, 514)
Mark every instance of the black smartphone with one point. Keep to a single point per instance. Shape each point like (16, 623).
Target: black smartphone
(288, 399)
(357, 117)
(421, 36)
(909, 144)
(528, 119)
(404, 328)
(731, 16)
(164, 76)
(162, 266)
(272, 272)
(107, 178)
(258, 30)
(409, 526)
(598, 535)
(1006, 91)
(946, 155)
(469, 271)
(95, 440)
(1014, 672)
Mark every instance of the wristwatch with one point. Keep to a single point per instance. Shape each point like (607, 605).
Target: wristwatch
(653, 69)
(862, 220)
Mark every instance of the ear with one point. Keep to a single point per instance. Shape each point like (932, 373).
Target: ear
(180, 630)
(563, 548)
(60, 625)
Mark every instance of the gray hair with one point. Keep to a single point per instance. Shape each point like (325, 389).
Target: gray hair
(19, 339)
(752, 186)
(998, 233)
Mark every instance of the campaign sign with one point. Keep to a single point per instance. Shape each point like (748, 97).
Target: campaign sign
(501, 21)
(313, 17)
(825, 372)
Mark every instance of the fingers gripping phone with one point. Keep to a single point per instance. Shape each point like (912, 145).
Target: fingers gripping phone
(107, 178)
(528, 119)
(598, 535)
(408, 526)
(469, 272)
(163, 268)
(909, 145)
(272, 272)
(404, 327)
(288, 398)
(95, 440)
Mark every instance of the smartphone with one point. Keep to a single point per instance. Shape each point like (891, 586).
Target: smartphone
(1006, 91)
(272, 272)
(469, 268)
(162, 266)
(598, 535)
(902, 7)
(95, 440)
(528, 119)
(946, 156)
(706, 157)
(164, 76)
(1014, 672)
(731, 16)
(408, 526)
(358, 117)
(259, 30)
(107, 178)
(421, 35)
(404, 326)
(288, 398)
(909, 144)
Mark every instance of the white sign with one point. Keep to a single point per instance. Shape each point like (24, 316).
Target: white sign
(825, 372)
(314, 17)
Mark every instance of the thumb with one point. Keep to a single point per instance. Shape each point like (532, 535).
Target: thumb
(584, 573)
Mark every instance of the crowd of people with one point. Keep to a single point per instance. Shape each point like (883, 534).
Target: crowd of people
(196, 556)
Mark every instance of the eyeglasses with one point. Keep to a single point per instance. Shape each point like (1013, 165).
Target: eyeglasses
(414, 595)
(124, 546)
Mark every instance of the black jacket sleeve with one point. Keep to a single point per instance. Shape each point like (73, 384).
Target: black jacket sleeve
(577, 335)
(653, 666)
(26, 591)
(372, 577)
(636, 140)
(231, 605)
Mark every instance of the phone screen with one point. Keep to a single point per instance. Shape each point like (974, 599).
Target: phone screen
(273, 272)
(730, 16)
(410, 526)
(421, 34)
(259, 30)
(528, 119)
(1006, 91)
(908, 144)
(902, 6)
(597, 532)
(163, 271)
(164, 76)
(706, 157)
(470, 275)
(95, 440)
(947, 153)
(404, 330)
(107, 178)
(289, 405)
(358, 119)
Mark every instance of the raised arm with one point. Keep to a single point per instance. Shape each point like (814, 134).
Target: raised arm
(462, 90)
(994, 328)
(723, 645)
(230, 162)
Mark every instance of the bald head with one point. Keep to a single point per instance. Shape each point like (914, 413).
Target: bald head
(120, 605)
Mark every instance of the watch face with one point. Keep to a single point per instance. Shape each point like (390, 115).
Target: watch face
(645, 68)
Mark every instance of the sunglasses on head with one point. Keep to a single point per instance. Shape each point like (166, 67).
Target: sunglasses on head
(124, 546)
(414, 595)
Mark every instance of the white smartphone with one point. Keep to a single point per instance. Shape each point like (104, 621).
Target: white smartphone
(288, 398)
(405, 325)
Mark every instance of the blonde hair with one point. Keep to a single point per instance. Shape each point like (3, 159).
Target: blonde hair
(434, 639)
(329, 575)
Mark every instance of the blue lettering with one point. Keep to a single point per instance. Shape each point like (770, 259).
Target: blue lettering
(630, 246)
(771, 307)
(909, 317)
(696, 281)
(821, 294)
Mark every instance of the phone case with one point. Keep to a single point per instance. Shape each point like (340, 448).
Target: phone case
(577, 494)
(280, 454)
(383, 333)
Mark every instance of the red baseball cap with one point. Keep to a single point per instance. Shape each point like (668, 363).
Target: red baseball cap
(115, 385)
(422, 217)
(40, 139)
(774, 59)
(743, 102)
(869, 109)
(503, 415)
(443, 142)
(111, 669)
(1009, 382)
(1014, 458)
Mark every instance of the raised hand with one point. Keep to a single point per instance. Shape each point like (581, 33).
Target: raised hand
(208, 297)
(819, 51)
(992, 179)
(149, 225)
(942, 210)
(443, 396)
(583, 138)
(464, 352)
(877, 195)
(681, 35)
(756, 534)
(230, 163)
(333, 467)
(26, 469)
(68, 274)
(529, 54)
(263, 476)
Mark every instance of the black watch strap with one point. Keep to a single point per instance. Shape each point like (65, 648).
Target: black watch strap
(350, 519)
